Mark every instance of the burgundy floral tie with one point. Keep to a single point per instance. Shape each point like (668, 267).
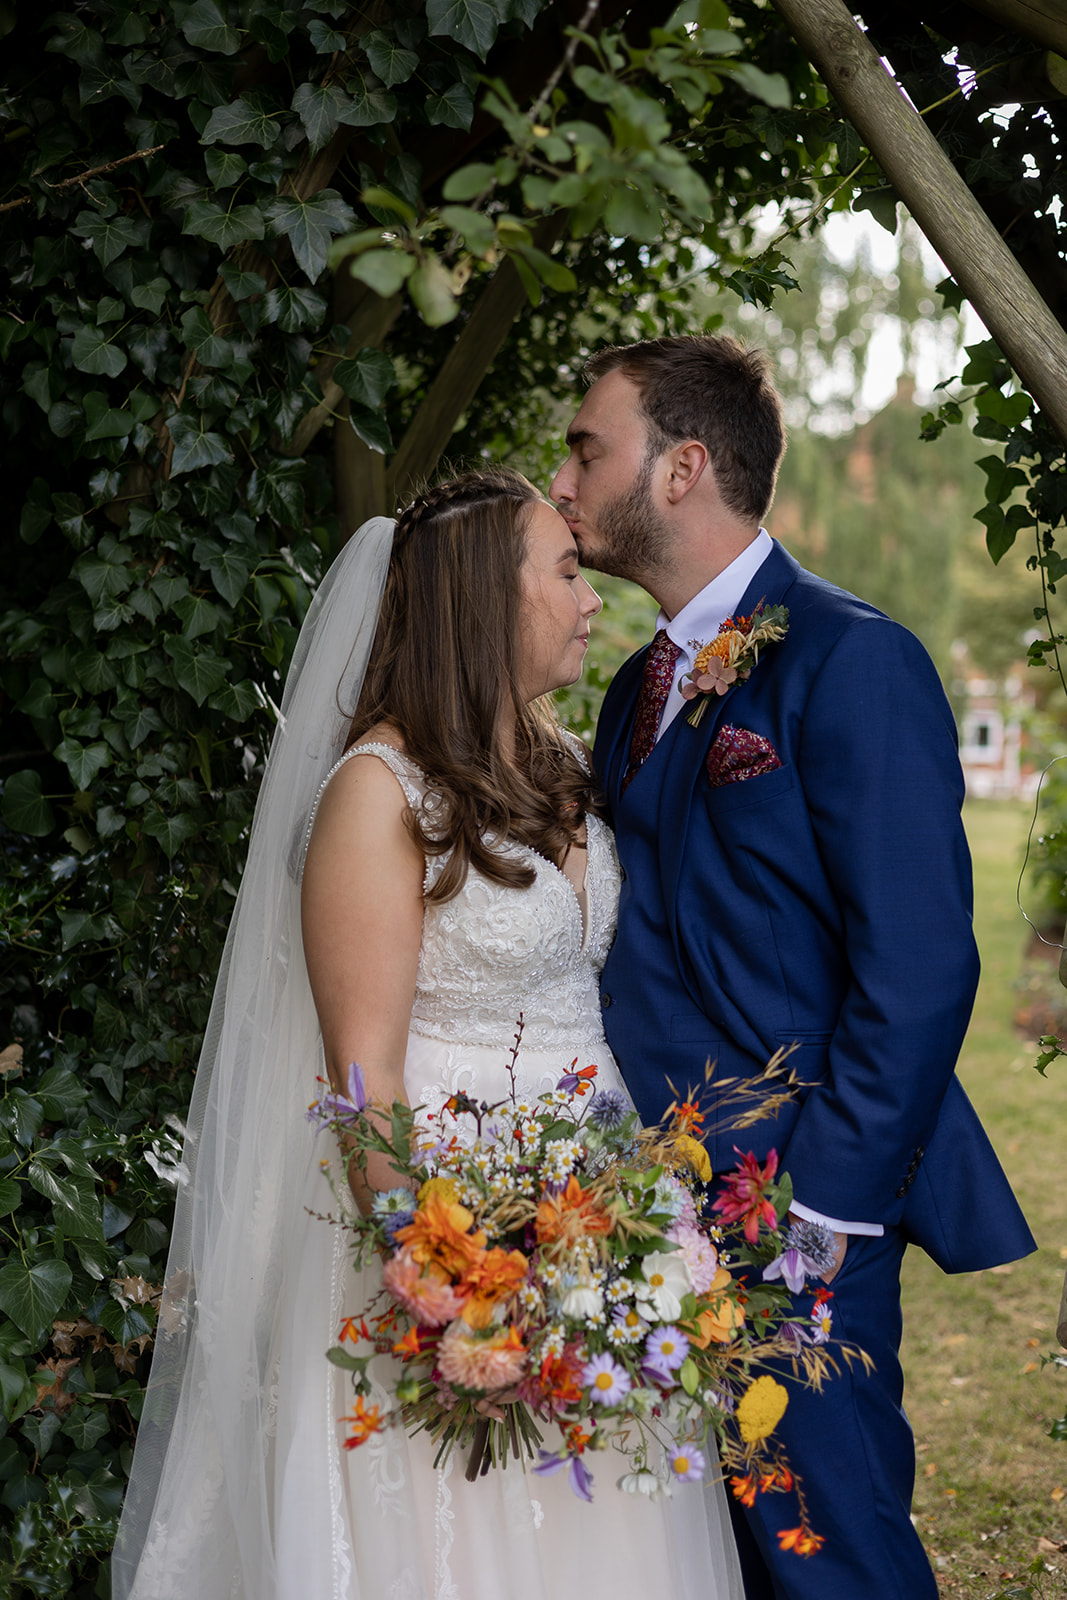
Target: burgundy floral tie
(655, 687)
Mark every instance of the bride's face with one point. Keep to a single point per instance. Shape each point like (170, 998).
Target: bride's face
(557, 606)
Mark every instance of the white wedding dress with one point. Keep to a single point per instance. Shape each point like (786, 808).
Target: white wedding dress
(379, 1522)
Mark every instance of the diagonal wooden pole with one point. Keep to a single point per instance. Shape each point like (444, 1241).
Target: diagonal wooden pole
(947, 212)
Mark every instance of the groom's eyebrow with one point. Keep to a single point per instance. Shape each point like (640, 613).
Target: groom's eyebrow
(575, 436)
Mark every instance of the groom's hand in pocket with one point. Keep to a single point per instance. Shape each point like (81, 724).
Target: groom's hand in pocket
(840, 1246)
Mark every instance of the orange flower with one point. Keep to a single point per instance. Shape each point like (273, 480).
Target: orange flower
(802, 1540)
(777, 1478)
(720, 1316)
(409, 1345)
(494, 1276)
(569, 1215)
(575, 1439)
(354, 1328)
(440, 1234)
(730, 642)
(744, 1489)
(560, 1378)
(687, 1116)
(364, 1421)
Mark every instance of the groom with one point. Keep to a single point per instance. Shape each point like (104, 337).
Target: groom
(795, 873)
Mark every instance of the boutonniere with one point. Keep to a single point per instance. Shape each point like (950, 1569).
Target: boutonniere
(730, 657)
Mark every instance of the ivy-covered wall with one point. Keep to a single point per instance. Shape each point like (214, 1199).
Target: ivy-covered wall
(193, 412)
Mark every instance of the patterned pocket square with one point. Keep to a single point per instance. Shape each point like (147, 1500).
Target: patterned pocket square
(738, 754)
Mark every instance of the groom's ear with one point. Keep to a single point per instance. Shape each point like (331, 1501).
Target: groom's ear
(686, 465)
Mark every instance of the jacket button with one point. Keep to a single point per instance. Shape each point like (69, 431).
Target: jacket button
(920, 1151)
(902, 1191)
(622, 874)
(605, 1001)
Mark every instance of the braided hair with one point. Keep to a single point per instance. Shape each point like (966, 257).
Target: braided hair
(443, 674)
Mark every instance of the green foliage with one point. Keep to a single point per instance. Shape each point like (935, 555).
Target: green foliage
(176, 183)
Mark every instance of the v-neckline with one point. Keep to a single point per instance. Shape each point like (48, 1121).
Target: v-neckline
(581, 899)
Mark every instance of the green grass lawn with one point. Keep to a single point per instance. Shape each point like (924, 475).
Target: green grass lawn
(990, 1495)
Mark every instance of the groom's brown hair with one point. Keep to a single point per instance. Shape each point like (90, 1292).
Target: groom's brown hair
(712, 388)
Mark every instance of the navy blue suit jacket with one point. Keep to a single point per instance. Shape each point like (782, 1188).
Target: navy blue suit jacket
(827, 904)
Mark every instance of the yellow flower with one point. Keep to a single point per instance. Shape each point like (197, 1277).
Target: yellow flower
(692, 1152)
(445, 1187)
(761, 1408)
(727, 646)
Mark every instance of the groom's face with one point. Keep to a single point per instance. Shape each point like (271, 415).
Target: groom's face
(607, 489)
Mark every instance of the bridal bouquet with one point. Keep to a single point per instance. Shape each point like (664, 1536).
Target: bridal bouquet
(547, 1262)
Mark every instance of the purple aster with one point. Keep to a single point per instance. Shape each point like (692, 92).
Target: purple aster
(807, 1252)
(822, 1321)
(666, 1349)
(687, 1463)
(606, 1380)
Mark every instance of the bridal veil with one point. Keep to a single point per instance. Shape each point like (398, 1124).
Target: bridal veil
(201, 1469)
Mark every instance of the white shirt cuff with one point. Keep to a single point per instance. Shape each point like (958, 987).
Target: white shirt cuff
(873, 1230)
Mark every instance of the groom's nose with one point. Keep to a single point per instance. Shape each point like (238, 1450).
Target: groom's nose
(561, 489)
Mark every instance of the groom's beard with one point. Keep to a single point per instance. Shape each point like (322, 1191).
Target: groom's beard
(633, 540)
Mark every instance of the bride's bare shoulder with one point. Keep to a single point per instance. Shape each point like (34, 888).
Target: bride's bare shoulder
(382, 733)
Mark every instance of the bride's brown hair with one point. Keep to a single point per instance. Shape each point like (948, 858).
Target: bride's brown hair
(443, 673)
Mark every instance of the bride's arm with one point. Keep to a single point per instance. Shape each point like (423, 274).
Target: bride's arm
(361, 913)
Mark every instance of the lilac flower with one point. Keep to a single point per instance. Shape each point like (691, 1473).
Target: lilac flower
(807, 1252)
(337, 1109)
(609, 1110)
(687, 1463)
(606, 1380)
(577, 1082)
(793, 1334)
(661, 1375)
(666, 1349)
(581, 1479)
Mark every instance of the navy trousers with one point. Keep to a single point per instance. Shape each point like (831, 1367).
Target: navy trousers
(852, 1447)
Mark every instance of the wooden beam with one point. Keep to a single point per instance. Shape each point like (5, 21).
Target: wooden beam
(463, 369)
(1019, 320)
(368, 324)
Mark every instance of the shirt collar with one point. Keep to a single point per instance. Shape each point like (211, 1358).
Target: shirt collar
(700, 619)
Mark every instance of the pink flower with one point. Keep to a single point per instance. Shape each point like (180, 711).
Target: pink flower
(473, 1361)
(424, 1294)
(745, 1195)
(701, 1258)
(716, 678)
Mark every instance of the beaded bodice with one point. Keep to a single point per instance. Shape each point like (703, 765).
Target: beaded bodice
(494, 951)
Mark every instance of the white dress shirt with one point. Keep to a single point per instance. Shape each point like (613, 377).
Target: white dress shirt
(694, 626)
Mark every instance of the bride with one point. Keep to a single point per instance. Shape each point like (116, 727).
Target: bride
(427, 862)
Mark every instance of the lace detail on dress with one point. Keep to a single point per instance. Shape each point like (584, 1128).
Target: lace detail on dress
(493, 950)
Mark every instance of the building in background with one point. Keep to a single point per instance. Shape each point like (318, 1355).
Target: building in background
(992, 734)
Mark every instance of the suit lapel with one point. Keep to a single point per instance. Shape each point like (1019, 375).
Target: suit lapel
(690, 749)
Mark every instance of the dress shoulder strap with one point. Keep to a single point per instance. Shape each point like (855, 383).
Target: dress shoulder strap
(578, 747)
(407, 774)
